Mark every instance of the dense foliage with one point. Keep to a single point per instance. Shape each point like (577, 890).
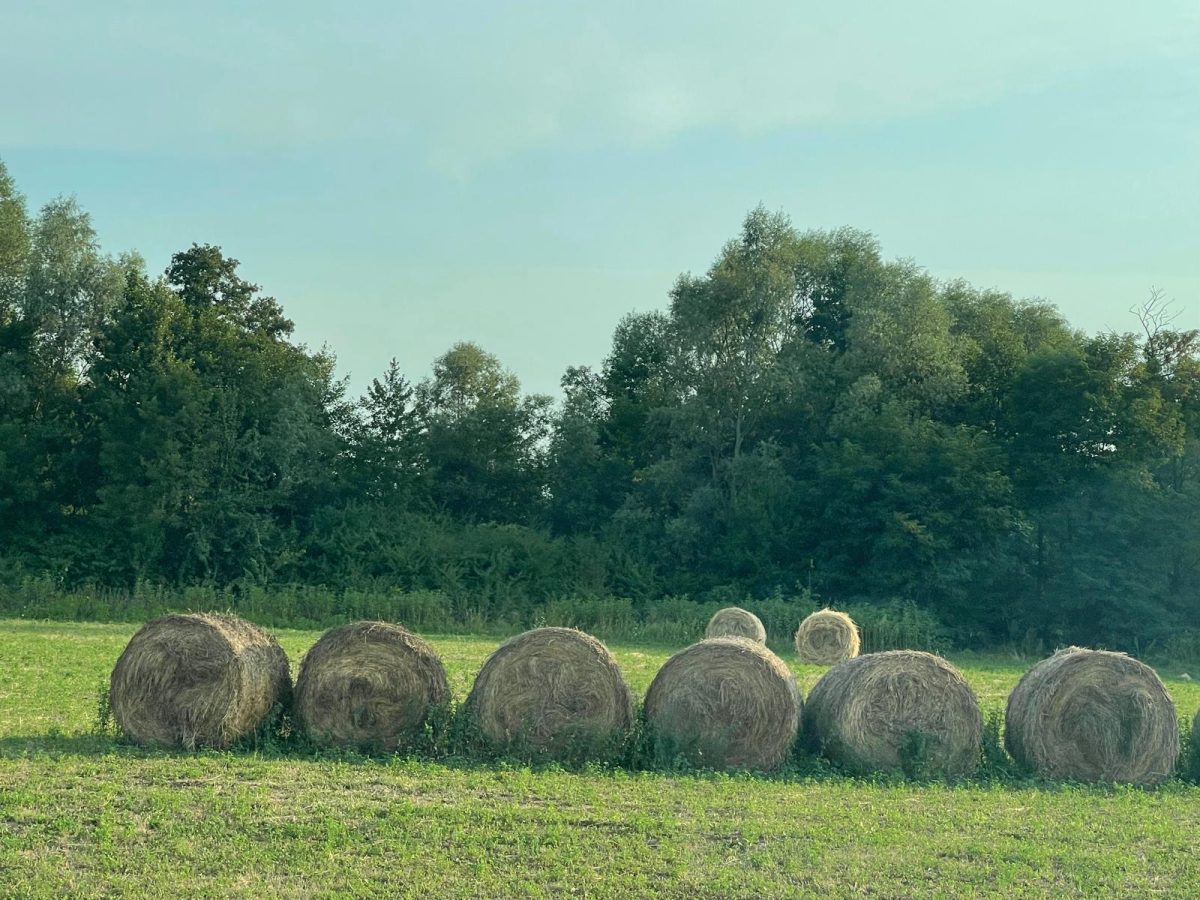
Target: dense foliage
(805, 419)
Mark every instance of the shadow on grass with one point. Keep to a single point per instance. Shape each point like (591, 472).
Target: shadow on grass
(18, 746)
(801, 769)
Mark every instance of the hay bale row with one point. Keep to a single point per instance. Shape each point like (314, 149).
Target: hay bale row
(726, 702)
(894, 711)
(1093, 715)
(196, 680)
(824, 638)
(369, 685)
(552, 690)
(827, 637)
(733, 621)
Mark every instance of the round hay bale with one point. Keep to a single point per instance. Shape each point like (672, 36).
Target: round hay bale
(902, 710)
(733, 621)
(555, 691)
(370, 685)
(197, 680)
(827, 637)
(726, 703)
(1093, 715)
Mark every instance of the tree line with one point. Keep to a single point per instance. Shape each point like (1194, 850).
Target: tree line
(805, 418)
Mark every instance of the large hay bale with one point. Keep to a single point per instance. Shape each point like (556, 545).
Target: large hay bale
(1093, 715)
(555, 691)
(370, 685)
(903, 710)
(827, 637)
(733, 621)
(726, 703)
(197, 680)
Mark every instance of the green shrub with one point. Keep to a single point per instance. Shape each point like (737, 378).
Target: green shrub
(899, 625)
(1189, 756)
(670, 621)
(1181, 646)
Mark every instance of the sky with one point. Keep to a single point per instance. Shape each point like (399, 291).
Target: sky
(403, 175)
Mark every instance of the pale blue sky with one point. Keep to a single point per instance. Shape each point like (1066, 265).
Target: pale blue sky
(521, 174)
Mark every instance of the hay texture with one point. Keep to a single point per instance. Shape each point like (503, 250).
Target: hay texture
(725, 703)
(733, 621)
(552, 691)
(902, 710)
(827, 637)
(1093, 715)
(197, 680)
(369, 685)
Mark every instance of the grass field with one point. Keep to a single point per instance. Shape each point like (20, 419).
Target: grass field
(83, 815)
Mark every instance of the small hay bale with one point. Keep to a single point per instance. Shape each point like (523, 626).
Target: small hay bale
(1093, 715)
(903, 710)
(733, 621)
(370, 685)
(197, 680)
(554, 691)
(725, 702)
(827, 637)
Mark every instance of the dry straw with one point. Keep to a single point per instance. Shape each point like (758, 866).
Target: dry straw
(1093, 715)
(552, 690)
(734, 621)
(726, 703)
(827, 637)
(880, 711)
(369, 685)
(197, 680)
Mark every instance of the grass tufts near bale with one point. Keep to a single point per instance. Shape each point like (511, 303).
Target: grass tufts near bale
(827, 637)
(369, 685)
(552, 691)
(197, 680)
(1093, 715)
(733, 621)
(725, 702)
(899, 711)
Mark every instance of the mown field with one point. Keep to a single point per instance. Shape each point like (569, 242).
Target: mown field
(83, 815)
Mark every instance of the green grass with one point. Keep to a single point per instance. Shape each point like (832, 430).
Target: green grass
(81, 814)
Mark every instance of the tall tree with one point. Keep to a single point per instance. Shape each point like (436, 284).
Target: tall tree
(14, 243)
(485, 442)
(835, 272)
(731, 327)
(213, 436)
(586, 478)
(205, 279)
(70, 286)
(386, 439)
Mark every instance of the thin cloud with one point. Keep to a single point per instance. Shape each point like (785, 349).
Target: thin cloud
(461, 87)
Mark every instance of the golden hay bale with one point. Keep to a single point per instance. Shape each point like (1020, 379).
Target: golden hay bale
(726, 702)
(552, 690)
(1093, 715)
(197, 680)
(889, 711)
(827, 637)
(733, 621)
(370, 685)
